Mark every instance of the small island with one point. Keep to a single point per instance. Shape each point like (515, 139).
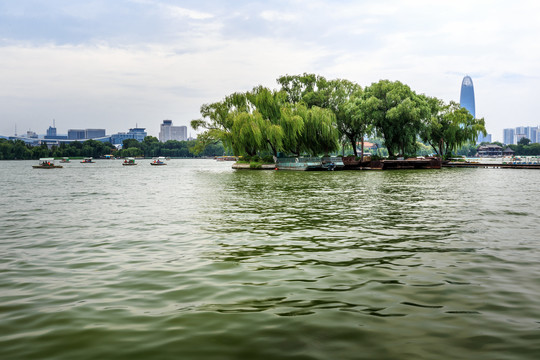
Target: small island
(309, 121)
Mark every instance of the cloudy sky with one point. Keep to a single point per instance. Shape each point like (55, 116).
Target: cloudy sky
(115, 64)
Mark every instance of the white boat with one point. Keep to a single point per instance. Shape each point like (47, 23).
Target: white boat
(46, 163)
(158, 161)
(129, 162)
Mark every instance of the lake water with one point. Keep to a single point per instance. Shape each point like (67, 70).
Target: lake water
(194, 260)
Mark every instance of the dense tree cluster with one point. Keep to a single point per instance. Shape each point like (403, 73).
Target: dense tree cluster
(19, 150)
(529, 149)
(312, 115)
(150, 147)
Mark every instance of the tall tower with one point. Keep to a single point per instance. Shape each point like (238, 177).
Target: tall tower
(466, 99)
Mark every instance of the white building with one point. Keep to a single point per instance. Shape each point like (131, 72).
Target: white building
(169, 132)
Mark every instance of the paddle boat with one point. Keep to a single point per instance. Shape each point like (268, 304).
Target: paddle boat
(158, 161)
(46, 163)
(129, 162)
(87, 161)
(64, 160)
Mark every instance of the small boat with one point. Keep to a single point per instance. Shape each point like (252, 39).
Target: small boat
(46, 163)
(87, 161)
(158, 161)
(129, 162)
(65, 160)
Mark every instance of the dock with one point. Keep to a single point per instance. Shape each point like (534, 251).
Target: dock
(491, 165)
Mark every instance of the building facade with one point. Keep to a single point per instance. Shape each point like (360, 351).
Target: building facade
(169, 132)
(135, 133)
(80, 134)
(94, 133)
(466, 98)
(508, 136)
(51, 133)
(490, 151)
(512, 136)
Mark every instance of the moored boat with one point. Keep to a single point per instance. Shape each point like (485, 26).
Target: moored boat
(46, 163)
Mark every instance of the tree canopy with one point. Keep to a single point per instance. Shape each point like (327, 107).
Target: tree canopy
(309, 114)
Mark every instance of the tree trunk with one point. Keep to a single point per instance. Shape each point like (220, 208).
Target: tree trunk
(353, 143)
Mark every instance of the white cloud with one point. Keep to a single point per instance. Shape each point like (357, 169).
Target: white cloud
(179, 12)
(156, 66)
(273, 16)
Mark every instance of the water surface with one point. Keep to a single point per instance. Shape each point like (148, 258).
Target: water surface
(194, 260)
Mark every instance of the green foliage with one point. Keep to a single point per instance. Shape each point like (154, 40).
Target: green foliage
(468, 150)
(526, 150)
(150, 147)
(450, 127)
(18, 150)
(312, 115)
(268, 159)
(524, 141)
(396, 113)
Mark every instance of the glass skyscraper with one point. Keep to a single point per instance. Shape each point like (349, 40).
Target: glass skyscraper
(466, 99)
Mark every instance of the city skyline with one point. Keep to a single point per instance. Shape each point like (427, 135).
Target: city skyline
(113, 65)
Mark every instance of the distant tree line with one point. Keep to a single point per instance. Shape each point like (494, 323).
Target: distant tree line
(19, 150)
(150, 147)
(310, 115)
(523, 148)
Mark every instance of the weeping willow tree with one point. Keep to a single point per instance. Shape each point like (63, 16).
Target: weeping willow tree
(292, 122)
(450, 126)
(218, 120)
(320, 135)
(267, 104)
(344, 101)
(247, 133)
(397, 114)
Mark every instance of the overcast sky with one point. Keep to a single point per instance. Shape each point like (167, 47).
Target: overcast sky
(115, 64)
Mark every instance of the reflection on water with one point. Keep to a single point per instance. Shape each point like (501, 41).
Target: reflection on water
(195, 260)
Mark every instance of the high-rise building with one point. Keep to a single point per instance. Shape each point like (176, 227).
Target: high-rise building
(508, 136)
(512, 136)
(466, 98)
(51, 132)
(169, 132)
(533, 133)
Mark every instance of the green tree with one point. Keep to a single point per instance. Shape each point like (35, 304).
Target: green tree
(292, 123)
(320, 135)
(131, 143)
(524, 141)
(218, 120)
(343, 99)
(311, 89)
(268, 104)
(396, 113)
(449, 127)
